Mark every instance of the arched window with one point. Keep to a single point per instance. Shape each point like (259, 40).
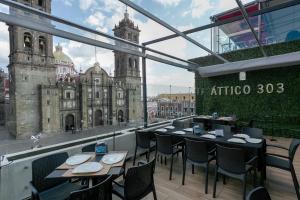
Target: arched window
(97, 94)
(42, 45)
(129, 36)
(41, 3)
(130, 62)
(136, 64)
(27, 41)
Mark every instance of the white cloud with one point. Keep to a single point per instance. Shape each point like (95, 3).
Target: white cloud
(200, 7)
(96, 19)
(86, 4)
(169, 2)
(68, 2)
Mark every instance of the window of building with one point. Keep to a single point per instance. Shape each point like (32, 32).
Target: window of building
(48, 102)
(68, 95)
(130, 62)
(27, 41)
(136, 63)
(41, 2)
(42, 45)
(129, 36)
(183, 97)
(97, 94)
(48, 120)
(135, 38)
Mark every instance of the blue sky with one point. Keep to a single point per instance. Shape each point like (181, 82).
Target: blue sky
(104, 14)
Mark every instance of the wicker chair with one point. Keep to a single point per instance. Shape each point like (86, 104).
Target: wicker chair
(145, 143)
(138, 182)
(101, 191)
(49, 189)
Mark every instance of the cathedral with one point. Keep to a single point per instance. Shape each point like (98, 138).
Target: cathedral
(47, 95)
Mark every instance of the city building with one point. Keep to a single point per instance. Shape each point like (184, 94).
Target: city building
(175, 105)
(48, 95)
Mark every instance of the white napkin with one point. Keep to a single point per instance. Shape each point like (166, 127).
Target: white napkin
(169, 127)
(236, 140)
(253, 140)
(161, 130)
(179, 132)
(78, 159)
(241, 135)
(188, 129)
(208, 136)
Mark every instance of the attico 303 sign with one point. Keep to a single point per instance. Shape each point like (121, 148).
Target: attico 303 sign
(268, 88)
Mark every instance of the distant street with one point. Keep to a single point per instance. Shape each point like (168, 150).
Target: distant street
(8, 144)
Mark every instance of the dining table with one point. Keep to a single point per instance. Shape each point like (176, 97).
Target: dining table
(256, 149)
(66, 170)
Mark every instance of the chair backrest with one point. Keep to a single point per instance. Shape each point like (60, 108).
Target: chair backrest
(101, 191)
(89, 148)
(164, 143)
(226, 129)
(259, 193)
(293, 148)
(231, 159)
(196, 151)
(178, 124)
(42, 167)
(253, 132)
(139, 181)
(143, 139)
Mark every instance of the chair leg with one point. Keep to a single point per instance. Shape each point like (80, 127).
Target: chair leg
(206, 178)
(134, 158)
(215, 182)
(161, 159)
(154, 192)
(244, 187)
(224, 179)
(296, 184)
(193, 169)
(254, 178)
(171, 169)
(184, 170)
(165, 160)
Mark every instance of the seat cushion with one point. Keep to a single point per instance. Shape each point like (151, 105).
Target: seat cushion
(60, 192)
(275, 161)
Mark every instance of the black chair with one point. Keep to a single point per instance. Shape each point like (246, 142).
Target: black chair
(259, 193)
(138, 182)
(49, 189)
(231, 162)
(101, 191)
(197, 153)
(253, 132)
(285, 162)
(145, 143)
(167, 148)
(89, 148)
(178, 124)
(225, 128)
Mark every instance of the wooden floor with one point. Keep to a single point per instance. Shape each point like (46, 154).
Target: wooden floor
(279, 183)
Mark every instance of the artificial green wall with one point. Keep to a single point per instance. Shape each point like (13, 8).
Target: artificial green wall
(270, 97)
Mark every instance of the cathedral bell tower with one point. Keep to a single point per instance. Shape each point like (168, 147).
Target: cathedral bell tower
(30, 66)
(127, 67)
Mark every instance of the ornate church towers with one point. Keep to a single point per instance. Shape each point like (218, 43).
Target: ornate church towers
(127, 67)
(30, 65)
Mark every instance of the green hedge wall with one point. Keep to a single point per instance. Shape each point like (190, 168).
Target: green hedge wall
(273, 100)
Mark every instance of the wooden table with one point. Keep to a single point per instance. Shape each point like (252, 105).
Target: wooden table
(259, 149)
(65, 171)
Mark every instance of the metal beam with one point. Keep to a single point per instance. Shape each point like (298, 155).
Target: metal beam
(23, 7)
(245, 15)
(49, 29)
(227, 21)
(144, 90)
(166, 25)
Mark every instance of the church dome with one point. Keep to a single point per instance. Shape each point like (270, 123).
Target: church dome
(60, 57)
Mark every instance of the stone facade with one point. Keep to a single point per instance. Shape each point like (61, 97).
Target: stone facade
(41, 102)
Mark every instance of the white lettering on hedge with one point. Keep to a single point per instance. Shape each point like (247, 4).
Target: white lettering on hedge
(268, 88)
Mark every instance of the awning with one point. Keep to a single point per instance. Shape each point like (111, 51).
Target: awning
(284, 60)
